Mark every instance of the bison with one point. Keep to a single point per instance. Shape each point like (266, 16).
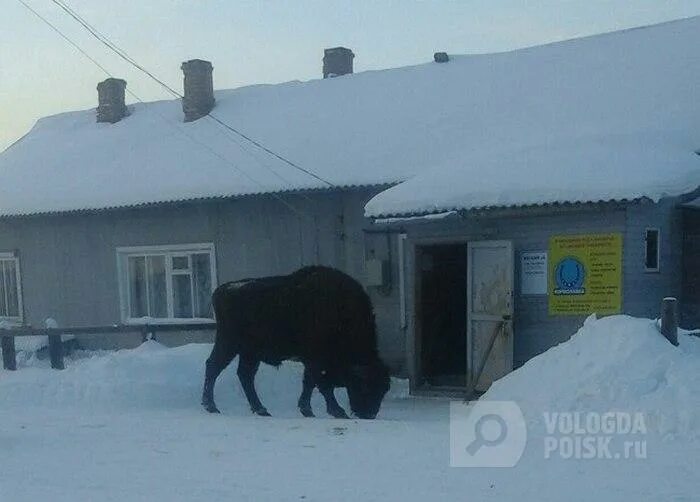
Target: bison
(317, 315)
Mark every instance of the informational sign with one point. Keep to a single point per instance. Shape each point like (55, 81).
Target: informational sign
(533, 273)
(585, 274)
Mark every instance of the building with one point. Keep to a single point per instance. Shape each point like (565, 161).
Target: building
(578, 196)
(455, 190)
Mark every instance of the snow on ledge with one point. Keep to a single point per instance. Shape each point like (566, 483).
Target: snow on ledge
(615, 167)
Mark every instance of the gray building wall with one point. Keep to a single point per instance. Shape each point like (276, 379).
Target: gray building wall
(69, 265)
(530, 230)
(690, 306)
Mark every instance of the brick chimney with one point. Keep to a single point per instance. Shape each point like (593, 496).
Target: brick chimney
(199, 89)
(441, 57)
(111, 107)
(337, 61)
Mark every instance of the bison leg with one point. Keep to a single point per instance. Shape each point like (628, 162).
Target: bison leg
(326, 388)
(247, 368)
(220, 357)
(306, 391)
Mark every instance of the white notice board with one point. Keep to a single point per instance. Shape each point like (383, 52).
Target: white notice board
(533, 273)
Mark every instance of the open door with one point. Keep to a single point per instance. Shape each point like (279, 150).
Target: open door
(489, 312)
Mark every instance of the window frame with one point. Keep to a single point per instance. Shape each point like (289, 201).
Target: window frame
(656, 269)
(19, 319)
(168, 251)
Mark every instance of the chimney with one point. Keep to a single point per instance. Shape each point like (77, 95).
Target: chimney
(199, 89)
(337, 61)
(441, 57)
(111, 107)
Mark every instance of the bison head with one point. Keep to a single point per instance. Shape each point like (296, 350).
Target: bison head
(366, 386)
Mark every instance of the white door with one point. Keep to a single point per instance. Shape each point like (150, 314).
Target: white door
(489, 312)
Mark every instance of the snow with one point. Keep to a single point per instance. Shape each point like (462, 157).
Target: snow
(605, 168)
(530, 119)
(127, 425)
(614, 363)
(609, 117)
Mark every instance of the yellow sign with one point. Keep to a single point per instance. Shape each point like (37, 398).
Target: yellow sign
(585, 274)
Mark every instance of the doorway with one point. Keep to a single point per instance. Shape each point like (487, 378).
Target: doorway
(442, 319)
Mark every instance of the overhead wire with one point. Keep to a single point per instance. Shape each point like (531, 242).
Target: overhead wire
(178, 129)
(212, 116)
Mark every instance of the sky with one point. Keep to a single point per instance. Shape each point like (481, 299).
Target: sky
(266, 41)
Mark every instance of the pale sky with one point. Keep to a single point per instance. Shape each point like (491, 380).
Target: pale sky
(266, 41)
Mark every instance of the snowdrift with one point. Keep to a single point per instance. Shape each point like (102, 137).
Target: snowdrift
(617, 363)
(153, 377)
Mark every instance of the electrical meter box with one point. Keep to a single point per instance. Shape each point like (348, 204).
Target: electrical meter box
(376, 273)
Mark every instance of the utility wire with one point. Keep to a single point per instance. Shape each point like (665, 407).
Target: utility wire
(136, 97)
(114, 48)
(126, 56)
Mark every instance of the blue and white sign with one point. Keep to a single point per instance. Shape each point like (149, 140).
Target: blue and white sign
(569, 277)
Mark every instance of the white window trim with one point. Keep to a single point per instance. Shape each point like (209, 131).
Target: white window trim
(18, 277)
(658, 249)
(124, 252)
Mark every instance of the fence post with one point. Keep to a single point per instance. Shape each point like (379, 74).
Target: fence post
(56, 352)
(9, 359)
(669, 320)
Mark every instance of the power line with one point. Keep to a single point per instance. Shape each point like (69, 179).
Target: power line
(114, 48)
(94, 61)
(136, 97)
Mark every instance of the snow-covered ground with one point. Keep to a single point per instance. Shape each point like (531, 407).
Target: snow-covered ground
(127, 426)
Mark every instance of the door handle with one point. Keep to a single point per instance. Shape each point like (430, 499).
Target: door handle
(507, 317)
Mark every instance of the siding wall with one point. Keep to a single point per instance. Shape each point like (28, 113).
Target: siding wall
(534, 329)
(690, 307)
(69, 268)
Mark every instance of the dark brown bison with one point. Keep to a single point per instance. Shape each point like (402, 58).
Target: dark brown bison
(317, 315)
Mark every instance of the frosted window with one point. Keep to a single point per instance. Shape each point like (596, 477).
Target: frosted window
(169, 285)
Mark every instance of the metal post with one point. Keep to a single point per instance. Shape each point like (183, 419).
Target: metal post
(56, 352)
(9, 359)
(148, 332)
(669, 320)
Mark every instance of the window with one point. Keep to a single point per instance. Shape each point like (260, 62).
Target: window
(10, 294)
(651, 252)
(167, 282)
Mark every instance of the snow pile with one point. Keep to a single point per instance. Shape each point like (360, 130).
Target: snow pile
(154, 377)
(617, 363)
(588, 169)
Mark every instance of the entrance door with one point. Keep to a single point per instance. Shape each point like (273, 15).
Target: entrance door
(442, 311)
(489, 312)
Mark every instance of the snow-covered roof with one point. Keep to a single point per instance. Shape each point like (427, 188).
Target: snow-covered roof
(533, 125)
(609, 117)
(592, 169)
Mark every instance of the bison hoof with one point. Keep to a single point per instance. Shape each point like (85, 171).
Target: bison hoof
(211, 407)
(262, 412)
(339, 413)
(307, 412)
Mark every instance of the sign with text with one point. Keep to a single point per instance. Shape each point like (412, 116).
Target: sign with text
(533, 273)
(585, 274)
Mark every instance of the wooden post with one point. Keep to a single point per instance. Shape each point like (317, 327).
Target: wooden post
(669, 320)
(56, 352)
(9, 359)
